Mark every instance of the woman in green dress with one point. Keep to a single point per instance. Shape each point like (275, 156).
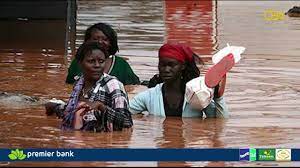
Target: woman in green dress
(114, 65)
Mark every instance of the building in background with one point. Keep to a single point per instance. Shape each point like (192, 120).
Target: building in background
(38, 25)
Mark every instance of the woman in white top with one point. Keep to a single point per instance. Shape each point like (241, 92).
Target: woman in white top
(176, 67)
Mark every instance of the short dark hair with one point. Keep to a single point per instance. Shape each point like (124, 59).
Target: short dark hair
(87, 48)
(108, 31)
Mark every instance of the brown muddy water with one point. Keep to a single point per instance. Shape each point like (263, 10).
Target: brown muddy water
(262, 90)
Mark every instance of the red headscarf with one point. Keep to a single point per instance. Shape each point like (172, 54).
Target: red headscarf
(179, 52)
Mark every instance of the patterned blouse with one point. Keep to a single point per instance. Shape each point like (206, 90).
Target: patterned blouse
(112, 94)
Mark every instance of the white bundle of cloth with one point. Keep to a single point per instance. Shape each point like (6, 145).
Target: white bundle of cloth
(197, 94)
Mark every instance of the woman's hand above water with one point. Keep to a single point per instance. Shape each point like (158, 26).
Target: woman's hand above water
(96, 105)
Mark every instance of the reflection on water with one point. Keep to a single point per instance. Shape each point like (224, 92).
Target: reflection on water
(139, 25)
(262, 90)
(192, 23)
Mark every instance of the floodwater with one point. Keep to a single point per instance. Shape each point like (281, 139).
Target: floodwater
(262, 90)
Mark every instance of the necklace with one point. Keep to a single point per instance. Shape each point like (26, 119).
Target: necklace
(85, 94)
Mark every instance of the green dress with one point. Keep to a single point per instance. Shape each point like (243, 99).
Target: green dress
(120, 69)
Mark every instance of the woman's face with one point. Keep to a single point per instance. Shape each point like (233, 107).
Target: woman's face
(169, 69)
(93, 64)
(99, 36)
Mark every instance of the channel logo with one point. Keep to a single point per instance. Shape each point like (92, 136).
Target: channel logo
(283, 154)
(266, 154)
(244, 155)
(248, 154)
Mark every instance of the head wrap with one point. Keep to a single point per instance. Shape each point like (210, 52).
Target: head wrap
(179, 52)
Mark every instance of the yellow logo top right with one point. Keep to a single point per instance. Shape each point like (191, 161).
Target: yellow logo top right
(272, 15)
(283, 154)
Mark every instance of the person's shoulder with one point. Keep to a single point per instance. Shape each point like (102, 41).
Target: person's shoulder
(74, 60)
(74, 63)
(151, 94)
(155, 90)
(157, 87)
(112, 81)
(107, 77)
(120, 59)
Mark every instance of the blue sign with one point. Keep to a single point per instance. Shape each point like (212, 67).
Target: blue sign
(119, 154)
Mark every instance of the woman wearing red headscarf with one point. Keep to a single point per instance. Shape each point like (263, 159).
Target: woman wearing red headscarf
(176, 67)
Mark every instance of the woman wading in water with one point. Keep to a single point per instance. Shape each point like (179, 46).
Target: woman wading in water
(98, 101)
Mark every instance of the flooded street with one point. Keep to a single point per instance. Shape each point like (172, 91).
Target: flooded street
(262, 91)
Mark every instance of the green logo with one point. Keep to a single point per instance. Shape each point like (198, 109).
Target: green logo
(252, 154)
(266, 154)
(17, 154)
